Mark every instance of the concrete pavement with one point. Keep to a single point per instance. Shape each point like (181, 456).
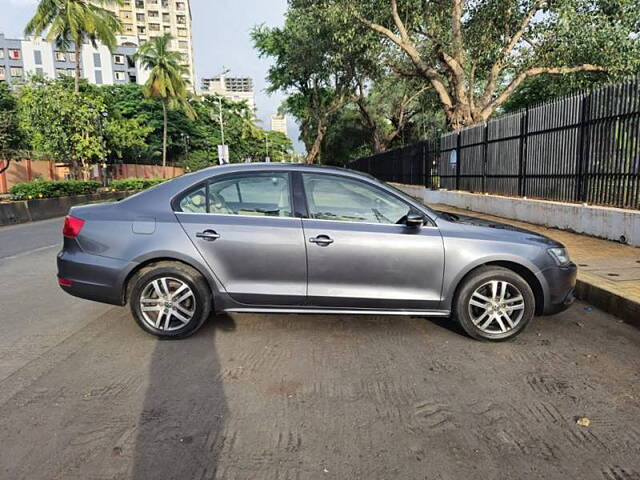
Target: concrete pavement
(85, 394)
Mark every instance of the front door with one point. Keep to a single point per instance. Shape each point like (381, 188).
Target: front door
(361, 254)
(243, 225)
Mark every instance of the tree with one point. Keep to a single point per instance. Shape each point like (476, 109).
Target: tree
(62, 123)
(75, 21)
(475, 55)
(314, 65)
(166, 80)
(11, 136)
(125, 137)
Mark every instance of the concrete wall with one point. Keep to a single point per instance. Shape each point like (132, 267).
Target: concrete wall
(605, 222)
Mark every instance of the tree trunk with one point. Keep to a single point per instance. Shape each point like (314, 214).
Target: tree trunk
(6, 164)
(314, 154)
(165, 126)
(78, 57)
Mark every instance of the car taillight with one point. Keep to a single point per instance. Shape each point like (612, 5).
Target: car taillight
(63, 282)
(72, 226)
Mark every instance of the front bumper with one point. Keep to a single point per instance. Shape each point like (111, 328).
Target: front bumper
(92, 277)
(561, 284)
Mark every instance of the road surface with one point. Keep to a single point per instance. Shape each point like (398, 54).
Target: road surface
(85, 394)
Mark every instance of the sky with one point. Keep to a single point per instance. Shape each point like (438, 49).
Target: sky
(220, 37)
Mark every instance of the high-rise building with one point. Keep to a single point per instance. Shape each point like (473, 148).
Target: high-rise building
(279, 123)
(20, 58)
(153, 18)
(235, 89)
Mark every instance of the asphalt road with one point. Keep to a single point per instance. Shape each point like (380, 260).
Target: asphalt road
(85, 394)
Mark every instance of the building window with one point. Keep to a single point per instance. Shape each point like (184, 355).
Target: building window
(131, 63)
(165, 3)
(3, 74)
(98, 77)
(140, 17)
(128, 28)
(1, 53)
(120, 76)
(61, 56)
(16, 71)
(154, 27)
(166, 18)
(141, 30)
(181, 19)
(15, 54)
(139, 3)
(180, 6)
(183, 45)
(153, 14)
(125, 14)
(118, 59)
(37, 57)
(182, 32)
(97, 61)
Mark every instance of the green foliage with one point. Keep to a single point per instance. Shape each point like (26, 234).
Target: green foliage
(51, 189)
(62, 124)
(135, 183)
(11, 136)
(125, 137)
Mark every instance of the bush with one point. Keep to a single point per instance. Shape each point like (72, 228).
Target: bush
(52, 189)
(134, 183)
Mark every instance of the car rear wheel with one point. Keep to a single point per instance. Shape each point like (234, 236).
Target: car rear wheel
(494, 304)
(170, 300)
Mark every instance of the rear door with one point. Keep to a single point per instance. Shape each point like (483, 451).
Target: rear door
(360, 253)
(243, 225)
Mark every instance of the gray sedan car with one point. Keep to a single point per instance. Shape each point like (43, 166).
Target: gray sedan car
(302, 239)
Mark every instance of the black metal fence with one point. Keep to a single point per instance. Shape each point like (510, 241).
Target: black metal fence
(581, 148)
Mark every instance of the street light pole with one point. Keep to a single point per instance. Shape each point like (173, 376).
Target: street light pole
(221, 119)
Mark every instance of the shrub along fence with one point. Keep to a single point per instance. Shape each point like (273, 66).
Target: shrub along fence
(581, 148)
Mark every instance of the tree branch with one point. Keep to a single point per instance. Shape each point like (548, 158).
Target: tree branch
(456, 27)
(404, 35)
(515, 83)
(498, 65)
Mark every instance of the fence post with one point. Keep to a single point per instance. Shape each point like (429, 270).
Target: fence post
(583, 151)
(485, 149)
(458, 141)
(522, 154)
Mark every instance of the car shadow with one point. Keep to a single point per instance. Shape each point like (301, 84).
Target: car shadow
(184, 409)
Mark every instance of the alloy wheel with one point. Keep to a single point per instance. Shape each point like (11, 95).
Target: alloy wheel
(167, 304)
(496, 307)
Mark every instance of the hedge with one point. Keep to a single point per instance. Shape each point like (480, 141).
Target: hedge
(134, 183)
(52, 189)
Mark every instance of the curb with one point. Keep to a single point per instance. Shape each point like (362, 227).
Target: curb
(25, 211)
(621, 307)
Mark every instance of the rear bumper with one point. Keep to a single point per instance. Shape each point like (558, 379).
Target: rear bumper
(561, 282)
(92, 277)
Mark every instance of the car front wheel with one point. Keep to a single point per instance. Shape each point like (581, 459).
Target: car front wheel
(494, 304)
(170, 300)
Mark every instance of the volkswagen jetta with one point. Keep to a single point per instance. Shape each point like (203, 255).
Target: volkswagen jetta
(300, 239)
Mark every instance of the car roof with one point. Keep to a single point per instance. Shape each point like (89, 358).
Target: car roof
(233, 167)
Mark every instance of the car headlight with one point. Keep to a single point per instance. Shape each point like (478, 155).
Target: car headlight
(560, 255)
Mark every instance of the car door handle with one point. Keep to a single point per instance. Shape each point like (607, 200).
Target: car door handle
(322, 240)
(209, 235)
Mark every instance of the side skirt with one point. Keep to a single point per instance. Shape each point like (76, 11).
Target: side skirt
(412, 313)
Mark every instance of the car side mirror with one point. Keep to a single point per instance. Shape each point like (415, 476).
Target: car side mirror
(414, 220)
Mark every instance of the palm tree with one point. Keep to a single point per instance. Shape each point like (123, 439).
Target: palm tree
(75, 21)
(166, 80)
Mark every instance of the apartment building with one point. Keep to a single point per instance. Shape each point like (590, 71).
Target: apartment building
(20, 58)
(236, 89)
(279, 123)
(146, 19)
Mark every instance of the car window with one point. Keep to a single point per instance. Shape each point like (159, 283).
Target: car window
(195, 201)
(260, 194)
(333, 198)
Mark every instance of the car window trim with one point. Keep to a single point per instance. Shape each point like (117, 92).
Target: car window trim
(431, 223)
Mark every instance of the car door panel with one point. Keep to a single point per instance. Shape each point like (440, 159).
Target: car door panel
(258, 260)
(374, 266)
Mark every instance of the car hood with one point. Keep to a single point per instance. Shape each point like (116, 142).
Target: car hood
(492, 229)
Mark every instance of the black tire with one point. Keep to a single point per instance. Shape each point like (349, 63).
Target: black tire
(175, 272)
(481, 279)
